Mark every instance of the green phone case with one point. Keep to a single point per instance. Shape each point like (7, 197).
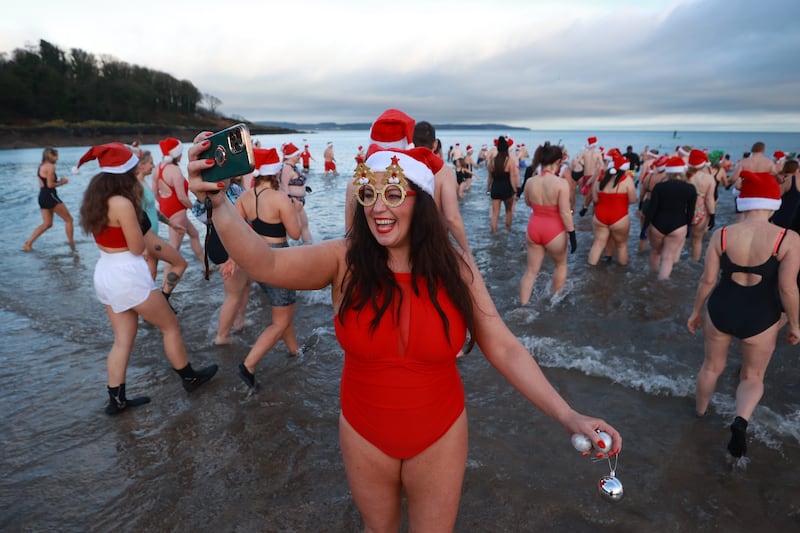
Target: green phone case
(232, 151)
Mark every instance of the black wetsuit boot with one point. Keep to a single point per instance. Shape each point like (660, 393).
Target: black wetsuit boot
(118, 403)
(192, 379)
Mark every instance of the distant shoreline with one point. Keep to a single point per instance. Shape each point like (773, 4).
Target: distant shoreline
(20, 137)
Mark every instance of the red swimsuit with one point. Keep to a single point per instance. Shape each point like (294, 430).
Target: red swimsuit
(169, 205)
(402, 393)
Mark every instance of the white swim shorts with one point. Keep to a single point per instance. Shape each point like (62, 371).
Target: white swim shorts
(122, 280)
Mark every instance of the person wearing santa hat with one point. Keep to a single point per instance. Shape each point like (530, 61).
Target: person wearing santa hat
(483, 153)
(274, 218)
(293, 183)
(586, 167)
(756, 161)
(49, 202)
(750, 277)
(706, 205)
(111, 211)
(394, 129)
(790, 194)
(361, 155)
(403, 423)
(612, 195)
(172, 192)
(330, 160)
(669, 214)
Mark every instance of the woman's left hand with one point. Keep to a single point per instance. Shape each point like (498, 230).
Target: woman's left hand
(589, 426)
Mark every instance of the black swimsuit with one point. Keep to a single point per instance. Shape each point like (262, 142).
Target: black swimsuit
(268, 229)
(48, 197)
(671, 205)
(746, 311)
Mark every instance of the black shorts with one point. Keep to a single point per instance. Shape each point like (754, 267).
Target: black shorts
(576, 175)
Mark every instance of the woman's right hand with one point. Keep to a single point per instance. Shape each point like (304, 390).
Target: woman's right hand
(694, 323)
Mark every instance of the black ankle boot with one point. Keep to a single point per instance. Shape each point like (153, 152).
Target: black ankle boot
(248, 377)
(737, 446)
(118, 403)
(192, 379)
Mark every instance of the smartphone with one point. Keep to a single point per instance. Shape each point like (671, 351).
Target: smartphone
(232, 152)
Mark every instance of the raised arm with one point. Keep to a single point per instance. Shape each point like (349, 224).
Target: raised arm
(298, 267)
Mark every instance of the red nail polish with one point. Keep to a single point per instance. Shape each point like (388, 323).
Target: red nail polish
(585, 454)
(599, 455)
(210, 161)
(601, 444)
(220, 185)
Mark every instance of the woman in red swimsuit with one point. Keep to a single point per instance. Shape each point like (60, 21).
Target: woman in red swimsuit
(550, 223)
(404, 298)
(171, 190)
(611, 196)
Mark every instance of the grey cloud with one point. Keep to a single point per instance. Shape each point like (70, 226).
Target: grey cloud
(711, 57)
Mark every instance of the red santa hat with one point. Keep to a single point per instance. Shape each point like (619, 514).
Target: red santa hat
(267, 162)
(661, 163)
(113, 158)
(171, 148)
(510, 141)
(675, 165)
(591, 142)
(415, 162)
(290, 150)
(698, 158)
(779, 155)
(619, 163)
(683, 150)
(392, 129)
(469, 148)
(759, 190)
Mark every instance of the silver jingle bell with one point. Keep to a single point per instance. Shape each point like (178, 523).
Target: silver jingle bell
(610, 488)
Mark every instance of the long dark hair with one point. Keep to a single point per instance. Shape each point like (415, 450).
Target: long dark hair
(433, 259)
(547, 154)
(94, 209)
(611, 173)
(499, 163)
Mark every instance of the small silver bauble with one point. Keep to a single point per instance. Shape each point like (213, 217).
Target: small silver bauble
(605, 438)
(610, 488)
(582, 443)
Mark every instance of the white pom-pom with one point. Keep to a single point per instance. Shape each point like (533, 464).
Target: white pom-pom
(75, 170)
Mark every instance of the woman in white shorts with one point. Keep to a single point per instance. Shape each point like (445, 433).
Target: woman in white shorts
(112, 213)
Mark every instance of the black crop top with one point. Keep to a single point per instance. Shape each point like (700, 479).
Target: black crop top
(268, 229)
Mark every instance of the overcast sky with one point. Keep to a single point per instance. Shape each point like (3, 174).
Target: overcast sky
(559, 64)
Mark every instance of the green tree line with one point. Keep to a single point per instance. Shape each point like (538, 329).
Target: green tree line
(50, 84)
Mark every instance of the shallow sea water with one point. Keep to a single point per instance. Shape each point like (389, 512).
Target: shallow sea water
(614, 343)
